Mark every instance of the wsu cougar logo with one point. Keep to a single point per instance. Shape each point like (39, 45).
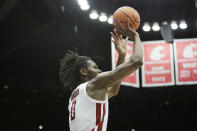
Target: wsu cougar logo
(156, 53)
(189, 51)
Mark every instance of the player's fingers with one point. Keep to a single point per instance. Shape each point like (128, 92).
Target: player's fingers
(127, 38)
(119, 31)
(120, 26)
(115, 43)
(133, 31)
(117, 27)
(116, 33)
(125, 41)
(112, 34)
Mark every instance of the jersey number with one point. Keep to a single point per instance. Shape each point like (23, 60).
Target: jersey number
(72, 114)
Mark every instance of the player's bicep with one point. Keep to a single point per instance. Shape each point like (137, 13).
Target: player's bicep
(105, 79)
(101, 80)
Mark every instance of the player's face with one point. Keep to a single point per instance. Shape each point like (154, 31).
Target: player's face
(92, 69)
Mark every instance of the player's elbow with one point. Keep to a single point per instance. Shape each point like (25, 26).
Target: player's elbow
(138, 61)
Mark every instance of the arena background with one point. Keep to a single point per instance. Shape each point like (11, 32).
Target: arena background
(35, 34)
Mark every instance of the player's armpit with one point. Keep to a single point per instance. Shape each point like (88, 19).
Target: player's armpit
(111, 91)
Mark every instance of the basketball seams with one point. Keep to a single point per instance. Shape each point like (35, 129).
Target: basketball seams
(135, 18)
(136, 21)
(125, 15)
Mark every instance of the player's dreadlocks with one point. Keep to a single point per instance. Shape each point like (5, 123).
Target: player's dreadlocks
(70, 70)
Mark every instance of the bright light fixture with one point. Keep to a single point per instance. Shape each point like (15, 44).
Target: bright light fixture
(93, 15)
(183, 24)
(156, 26)
(164, 23)
(40, 127)
(146, 27)
(82, 2)
(110, 20)
(85, 7)
(103, 17)
(174, 25)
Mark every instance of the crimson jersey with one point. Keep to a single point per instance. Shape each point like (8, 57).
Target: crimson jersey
(86, 113)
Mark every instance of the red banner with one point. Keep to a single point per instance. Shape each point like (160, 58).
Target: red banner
(186, 61)
(157, 69)
(132, 79)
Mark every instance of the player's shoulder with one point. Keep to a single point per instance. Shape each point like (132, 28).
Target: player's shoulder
(76, 92)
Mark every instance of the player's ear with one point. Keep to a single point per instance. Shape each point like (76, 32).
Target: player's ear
(83, 72)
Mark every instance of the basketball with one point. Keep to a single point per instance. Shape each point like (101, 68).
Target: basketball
(127, 14)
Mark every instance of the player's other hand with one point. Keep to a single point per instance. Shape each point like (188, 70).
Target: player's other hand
(132, 34)
(120, 44)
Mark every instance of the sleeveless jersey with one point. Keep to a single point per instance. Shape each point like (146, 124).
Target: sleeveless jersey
(86, 113)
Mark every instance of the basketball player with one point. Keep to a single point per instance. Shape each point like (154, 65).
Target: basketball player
(88, 104)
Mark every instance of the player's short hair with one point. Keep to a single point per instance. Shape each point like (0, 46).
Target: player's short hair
(70, 66)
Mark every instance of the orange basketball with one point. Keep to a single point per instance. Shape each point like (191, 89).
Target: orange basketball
(127, 14)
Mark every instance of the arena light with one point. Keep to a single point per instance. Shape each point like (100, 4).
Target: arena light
(164, 23)
(174, 25)
(40, 127)
(5, 87)
(85, 7)
(183, 24)
(156, 26)
(110, 20)
(103, 17)
(146, 27)
(83, 4)
(93, 15)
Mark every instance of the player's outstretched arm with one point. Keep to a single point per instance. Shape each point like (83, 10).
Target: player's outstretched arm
(121, 48)
(105, 79)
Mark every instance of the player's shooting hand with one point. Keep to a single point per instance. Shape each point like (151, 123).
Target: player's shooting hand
(126, 31)
(120, 44)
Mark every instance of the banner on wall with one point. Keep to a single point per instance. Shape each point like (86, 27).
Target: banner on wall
(132, 79)
(185, 51)
(157, 69)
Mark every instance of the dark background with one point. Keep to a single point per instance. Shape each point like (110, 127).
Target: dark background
(35, 34)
